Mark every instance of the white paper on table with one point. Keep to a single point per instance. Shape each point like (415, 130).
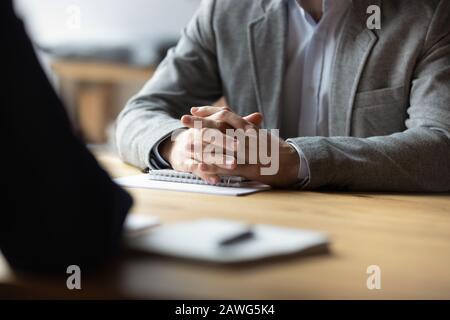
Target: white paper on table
(136, 223)
(200, 240)
(143, 181)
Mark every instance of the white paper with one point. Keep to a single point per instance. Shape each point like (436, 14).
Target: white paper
(201, 240)
(143, 181)
(136, 223)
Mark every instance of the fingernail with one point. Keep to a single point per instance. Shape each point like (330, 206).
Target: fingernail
(194, 109)
(186, 118)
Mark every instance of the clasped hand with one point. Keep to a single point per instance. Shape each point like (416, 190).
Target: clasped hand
(211, 146)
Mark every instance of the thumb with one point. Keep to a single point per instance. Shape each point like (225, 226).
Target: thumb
(255, 118)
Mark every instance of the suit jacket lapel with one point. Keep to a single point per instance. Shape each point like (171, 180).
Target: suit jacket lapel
(267, 38)
(353, 50)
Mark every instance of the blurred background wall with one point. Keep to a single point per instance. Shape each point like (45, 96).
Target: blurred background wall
(108, 21)
(98, 53)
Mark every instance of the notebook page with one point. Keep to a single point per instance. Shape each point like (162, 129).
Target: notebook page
(143, 181)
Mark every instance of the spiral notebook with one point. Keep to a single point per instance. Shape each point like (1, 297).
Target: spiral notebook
(186, 182)
(184, 177)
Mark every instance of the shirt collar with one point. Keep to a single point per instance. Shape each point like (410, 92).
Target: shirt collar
(328, 6)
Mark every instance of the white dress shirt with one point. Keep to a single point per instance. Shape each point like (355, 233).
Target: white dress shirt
(310, 51)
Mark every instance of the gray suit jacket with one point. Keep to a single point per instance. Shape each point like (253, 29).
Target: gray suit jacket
(390, 100)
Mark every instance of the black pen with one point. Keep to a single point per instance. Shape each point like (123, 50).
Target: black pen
(243, 236)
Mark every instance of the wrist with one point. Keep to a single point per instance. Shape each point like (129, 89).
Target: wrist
(291, 165)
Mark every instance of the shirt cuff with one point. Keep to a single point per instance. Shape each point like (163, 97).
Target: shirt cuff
(157, 162)
(303, 172)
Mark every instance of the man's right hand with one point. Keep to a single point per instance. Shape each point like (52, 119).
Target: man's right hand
(181, 153)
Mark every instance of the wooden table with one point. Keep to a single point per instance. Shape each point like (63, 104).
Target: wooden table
(407, 236)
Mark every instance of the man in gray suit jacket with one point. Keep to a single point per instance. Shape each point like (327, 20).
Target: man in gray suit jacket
(360, 108)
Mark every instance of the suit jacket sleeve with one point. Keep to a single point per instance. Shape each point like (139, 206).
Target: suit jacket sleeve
(58, 206)
(417, 159)
(187, 77)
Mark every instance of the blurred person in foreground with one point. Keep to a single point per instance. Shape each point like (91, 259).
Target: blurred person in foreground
(58, 207)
